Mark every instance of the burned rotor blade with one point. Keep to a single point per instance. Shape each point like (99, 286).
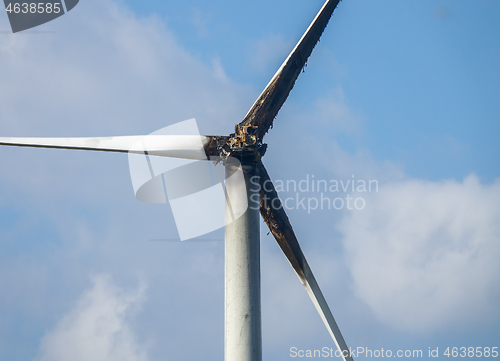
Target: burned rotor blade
(276, 219)
(268, 104)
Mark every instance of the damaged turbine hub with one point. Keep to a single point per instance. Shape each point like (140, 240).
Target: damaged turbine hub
(243, 143)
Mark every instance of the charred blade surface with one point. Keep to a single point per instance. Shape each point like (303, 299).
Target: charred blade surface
(215, 147)
(276, 219)
(268, 104)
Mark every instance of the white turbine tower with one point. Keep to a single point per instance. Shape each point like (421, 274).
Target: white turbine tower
(242, 235)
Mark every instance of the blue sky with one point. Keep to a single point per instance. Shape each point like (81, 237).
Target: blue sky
(401, 92)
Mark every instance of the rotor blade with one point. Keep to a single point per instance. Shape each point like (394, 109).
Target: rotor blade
(274, 215)
(176, 146)
(274, 95)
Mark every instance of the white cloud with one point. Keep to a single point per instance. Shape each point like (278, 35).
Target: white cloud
(105, 71)
(424, 255)
(97, 328)
(333, 113)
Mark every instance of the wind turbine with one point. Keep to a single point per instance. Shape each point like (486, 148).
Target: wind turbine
(242, 236)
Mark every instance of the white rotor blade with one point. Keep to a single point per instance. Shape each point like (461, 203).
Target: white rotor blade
(176, 146)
